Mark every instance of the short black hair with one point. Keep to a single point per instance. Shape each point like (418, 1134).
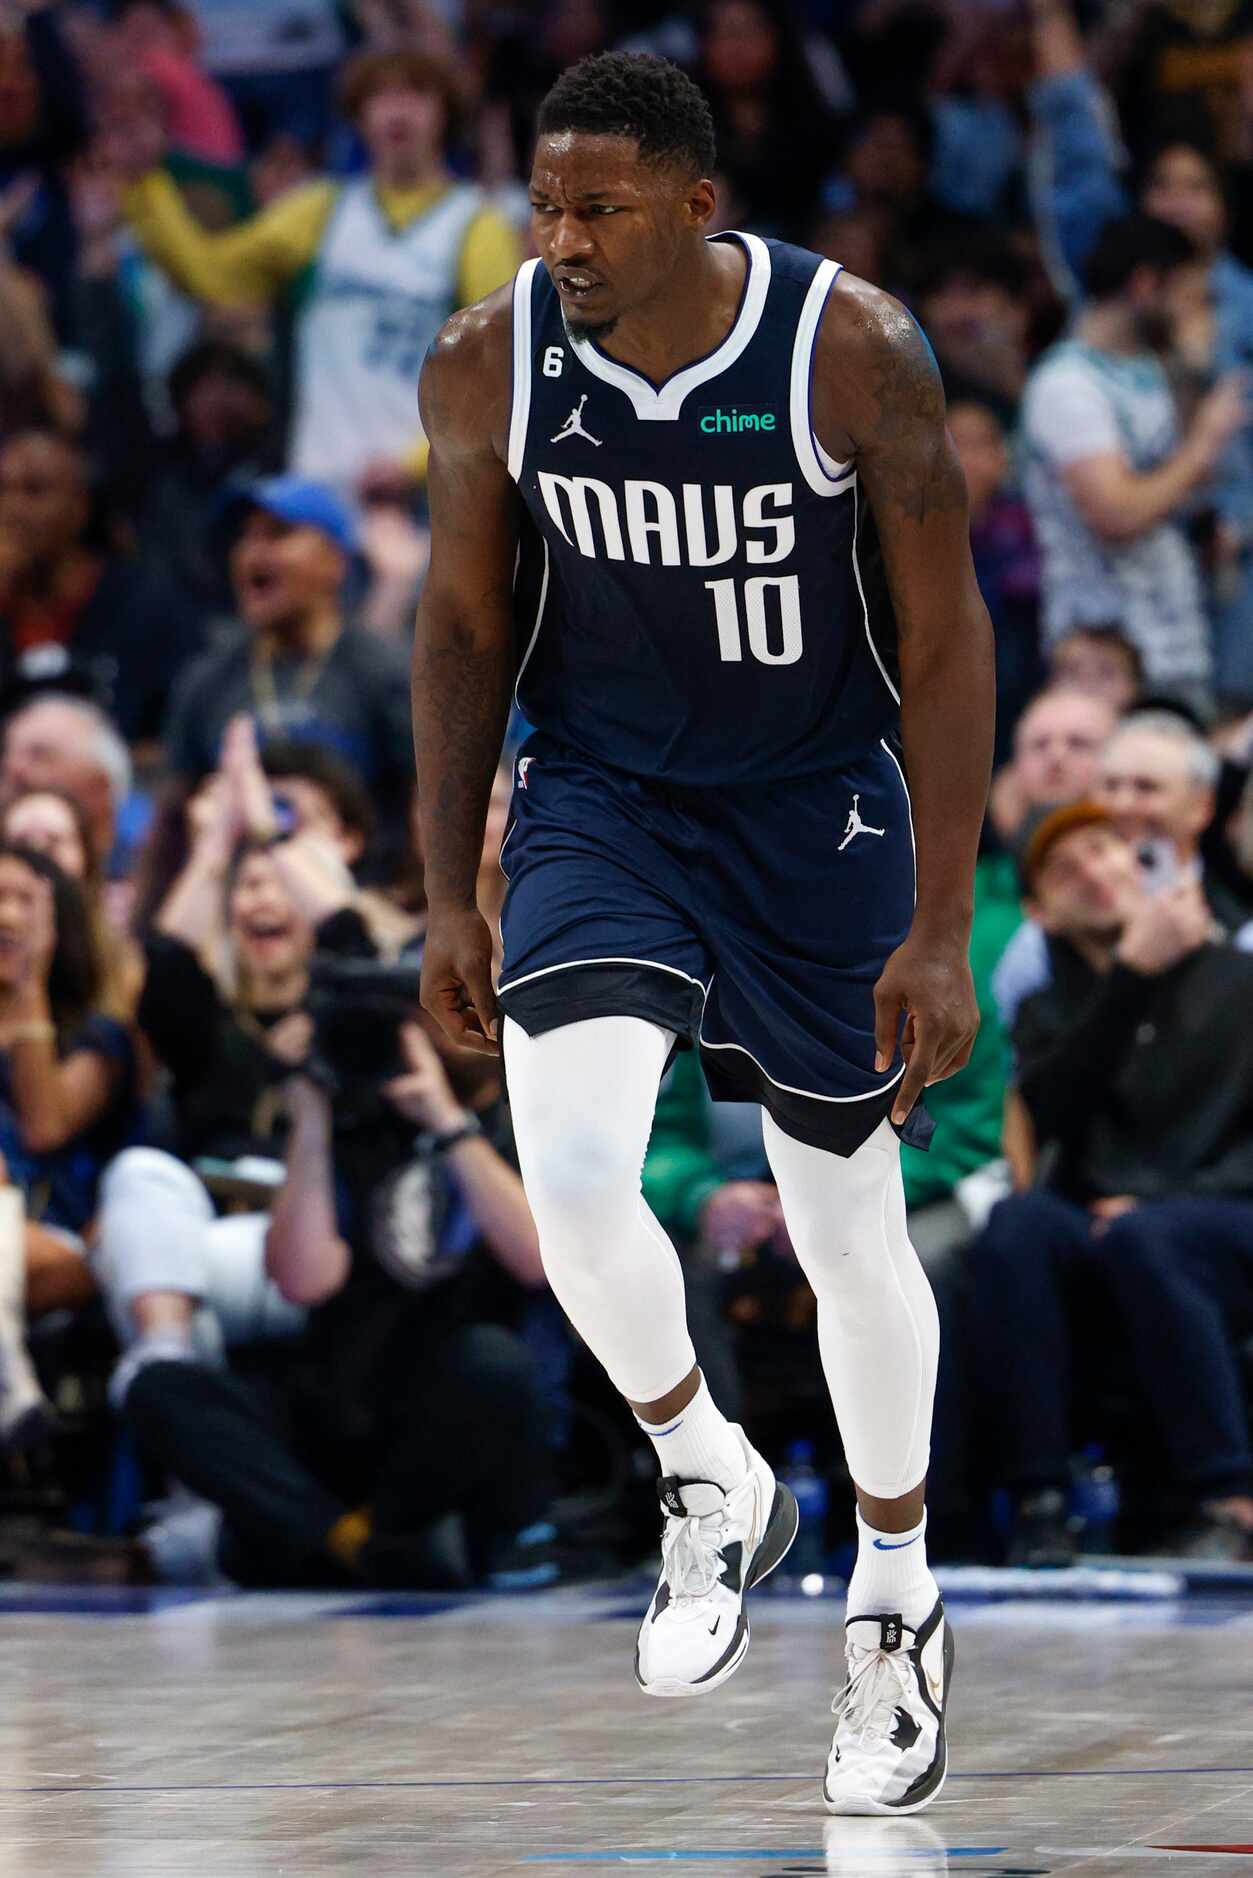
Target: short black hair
(220, 358)
(1128, 244)
(901, 104)
(636, 95)
(337, 778)
(1185, 123)
(74, 974)
(968, 251)
(1114, 639)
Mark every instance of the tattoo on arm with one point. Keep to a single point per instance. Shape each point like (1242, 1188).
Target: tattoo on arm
(460, 707)
(463, 653)
(904, 451)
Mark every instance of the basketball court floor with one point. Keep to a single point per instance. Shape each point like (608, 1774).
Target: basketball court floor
(182, 1735)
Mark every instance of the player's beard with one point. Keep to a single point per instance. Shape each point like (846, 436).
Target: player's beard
(588, 329)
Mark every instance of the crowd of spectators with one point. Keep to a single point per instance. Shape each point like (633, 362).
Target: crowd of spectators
(265, 1259)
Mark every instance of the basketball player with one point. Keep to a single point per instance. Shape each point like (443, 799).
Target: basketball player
(696, 497)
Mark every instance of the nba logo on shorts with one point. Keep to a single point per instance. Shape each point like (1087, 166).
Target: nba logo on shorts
(524, 764)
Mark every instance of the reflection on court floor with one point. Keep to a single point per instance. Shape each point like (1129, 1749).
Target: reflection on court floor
(164, 1734)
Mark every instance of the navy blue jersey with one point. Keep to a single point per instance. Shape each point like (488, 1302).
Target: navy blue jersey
(700, 592)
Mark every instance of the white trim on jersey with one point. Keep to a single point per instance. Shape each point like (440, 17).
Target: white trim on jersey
(520, 409)
(790, 1088)
(539, 621)
(824, 475)
(886, 747)
(865, 610)
(651, 965)
(500, 858)
(662, 404)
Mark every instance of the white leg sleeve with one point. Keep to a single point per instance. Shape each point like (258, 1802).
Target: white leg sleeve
(878, 1330)
(582, 1100)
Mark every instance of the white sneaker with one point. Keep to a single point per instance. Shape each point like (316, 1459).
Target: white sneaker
(889, 1754)
(715, 1546)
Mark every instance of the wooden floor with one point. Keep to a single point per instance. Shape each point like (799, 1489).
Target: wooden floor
(148, 1736)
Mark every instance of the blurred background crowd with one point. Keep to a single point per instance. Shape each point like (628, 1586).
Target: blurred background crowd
(271, 1305)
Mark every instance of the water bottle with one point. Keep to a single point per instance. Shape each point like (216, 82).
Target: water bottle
(1095, 1502)
(809, 1554)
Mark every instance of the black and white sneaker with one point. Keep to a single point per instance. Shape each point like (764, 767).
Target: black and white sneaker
(715, 1546)
(889, 1754)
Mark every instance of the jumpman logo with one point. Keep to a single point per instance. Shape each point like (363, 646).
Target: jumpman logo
(573, 426)
(856, 827)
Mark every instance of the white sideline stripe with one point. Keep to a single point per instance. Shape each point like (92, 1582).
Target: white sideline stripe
(650, 964)
(865, 614)
(653, 404)
(824, 475)
(520, 409)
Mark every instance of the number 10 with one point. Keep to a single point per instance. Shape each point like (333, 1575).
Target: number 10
(727, 618)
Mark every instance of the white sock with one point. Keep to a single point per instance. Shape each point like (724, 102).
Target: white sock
(892, 1574)
(698, 1443)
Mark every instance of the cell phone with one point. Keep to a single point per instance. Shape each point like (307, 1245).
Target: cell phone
(1159, 864)
(286, 820)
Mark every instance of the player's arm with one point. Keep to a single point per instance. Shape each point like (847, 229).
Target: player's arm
(463, 653)
(878, 398)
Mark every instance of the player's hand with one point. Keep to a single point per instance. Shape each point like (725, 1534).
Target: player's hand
(1165, 929)
(457, 978)
(930, 982)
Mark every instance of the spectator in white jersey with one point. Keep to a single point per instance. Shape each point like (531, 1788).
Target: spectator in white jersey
(383, 260)
(1108, 477)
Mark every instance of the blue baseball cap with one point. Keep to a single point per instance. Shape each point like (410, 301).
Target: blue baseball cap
(302, 503)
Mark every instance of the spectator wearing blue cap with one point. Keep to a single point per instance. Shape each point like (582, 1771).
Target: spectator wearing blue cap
(296, 665)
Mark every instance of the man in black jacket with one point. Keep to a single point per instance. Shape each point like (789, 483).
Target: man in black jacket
(1136, 1066)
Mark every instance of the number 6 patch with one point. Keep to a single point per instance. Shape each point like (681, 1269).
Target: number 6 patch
(554, 361)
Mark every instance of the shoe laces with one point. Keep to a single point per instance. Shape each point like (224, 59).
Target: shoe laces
(690, 1555)
(878, 1684)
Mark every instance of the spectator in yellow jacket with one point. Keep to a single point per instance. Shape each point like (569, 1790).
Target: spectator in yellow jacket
(377, 263)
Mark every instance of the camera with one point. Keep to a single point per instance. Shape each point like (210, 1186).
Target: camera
(358, 1007)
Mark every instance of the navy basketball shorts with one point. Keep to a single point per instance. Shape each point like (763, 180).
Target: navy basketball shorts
(752, 921)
